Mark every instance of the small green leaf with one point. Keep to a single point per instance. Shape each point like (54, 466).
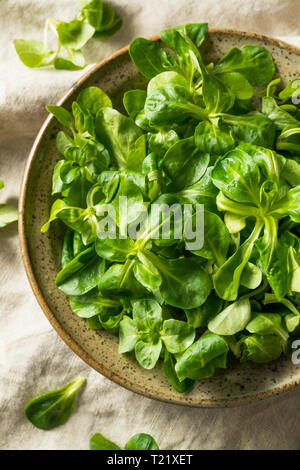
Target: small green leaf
(33, 53)
(108, 18)
(106, 33)
(202, 358)
(92, 99)
(75, 61)
(185, 164)
(117, 132)
(232, 319)
(185, 284)
(53, 408)
(260, 349)
(64, 142)
(149, 58)
(141, 441)
(74, 34)
(147, 314)
(275, 113)
(57, 206)
(177, 335)
(168, 367)
(99, 442)
(92, 11)
(8, 214)
(146, 273)
(218, 98)
(209, 139)
(237, 84)
(92, 303)
(254, 62)
(147, 353)
(81, 274)
(291, 90)
(62, 115)
(267, 324)
(251, 277)
(128, 335)
(216, 239)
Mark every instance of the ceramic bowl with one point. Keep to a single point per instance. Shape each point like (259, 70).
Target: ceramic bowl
(41, 252)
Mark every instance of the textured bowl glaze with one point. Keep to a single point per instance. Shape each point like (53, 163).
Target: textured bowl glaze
(41, 252)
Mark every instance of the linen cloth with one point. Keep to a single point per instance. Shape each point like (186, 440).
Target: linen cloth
(33, 358)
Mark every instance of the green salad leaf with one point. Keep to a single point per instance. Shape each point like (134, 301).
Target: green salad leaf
(53, 408)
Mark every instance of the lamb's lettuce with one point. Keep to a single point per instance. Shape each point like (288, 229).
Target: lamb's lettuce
(192, 136)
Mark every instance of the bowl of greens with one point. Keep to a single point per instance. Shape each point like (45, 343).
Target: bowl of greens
(206, 123)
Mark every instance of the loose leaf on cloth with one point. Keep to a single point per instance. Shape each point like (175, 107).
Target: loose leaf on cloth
(8, 213)
(140, 441)
(99, 442)
(96, 19)
(53, 408)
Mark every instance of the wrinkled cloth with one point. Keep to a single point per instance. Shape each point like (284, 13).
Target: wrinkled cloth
(33, 358)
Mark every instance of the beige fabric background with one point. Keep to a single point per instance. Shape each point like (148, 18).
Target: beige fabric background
(33, 358)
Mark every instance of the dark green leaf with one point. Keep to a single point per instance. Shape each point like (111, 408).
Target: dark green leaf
(92, 10)
(141, 441)
(118, 133)
(281, 118)
(169, 370)
(209, 139)
(53, 408)
(99, 442)
(62, 115)
(185, 164)
(216, 239)
(106, 33)
(81, 274)
(185, 284)
(254, 128)
(149, 58)
(91, 304)
(200, 359)
(260, 349)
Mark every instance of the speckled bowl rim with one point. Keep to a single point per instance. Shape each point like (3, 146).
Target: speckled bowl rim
(226, 402)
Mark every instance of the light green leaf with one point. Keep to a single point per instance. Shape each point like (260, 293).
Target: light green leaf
(232, 319)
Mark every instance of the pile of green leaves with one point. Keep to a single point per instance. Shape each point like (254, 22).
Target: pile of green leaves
(8, 213)
(193, 136)
(96, 20)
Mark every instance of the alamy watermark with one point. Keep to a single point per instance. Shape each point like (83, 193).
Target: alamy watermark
(296, 354)
(161, 221)
(296, 94)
